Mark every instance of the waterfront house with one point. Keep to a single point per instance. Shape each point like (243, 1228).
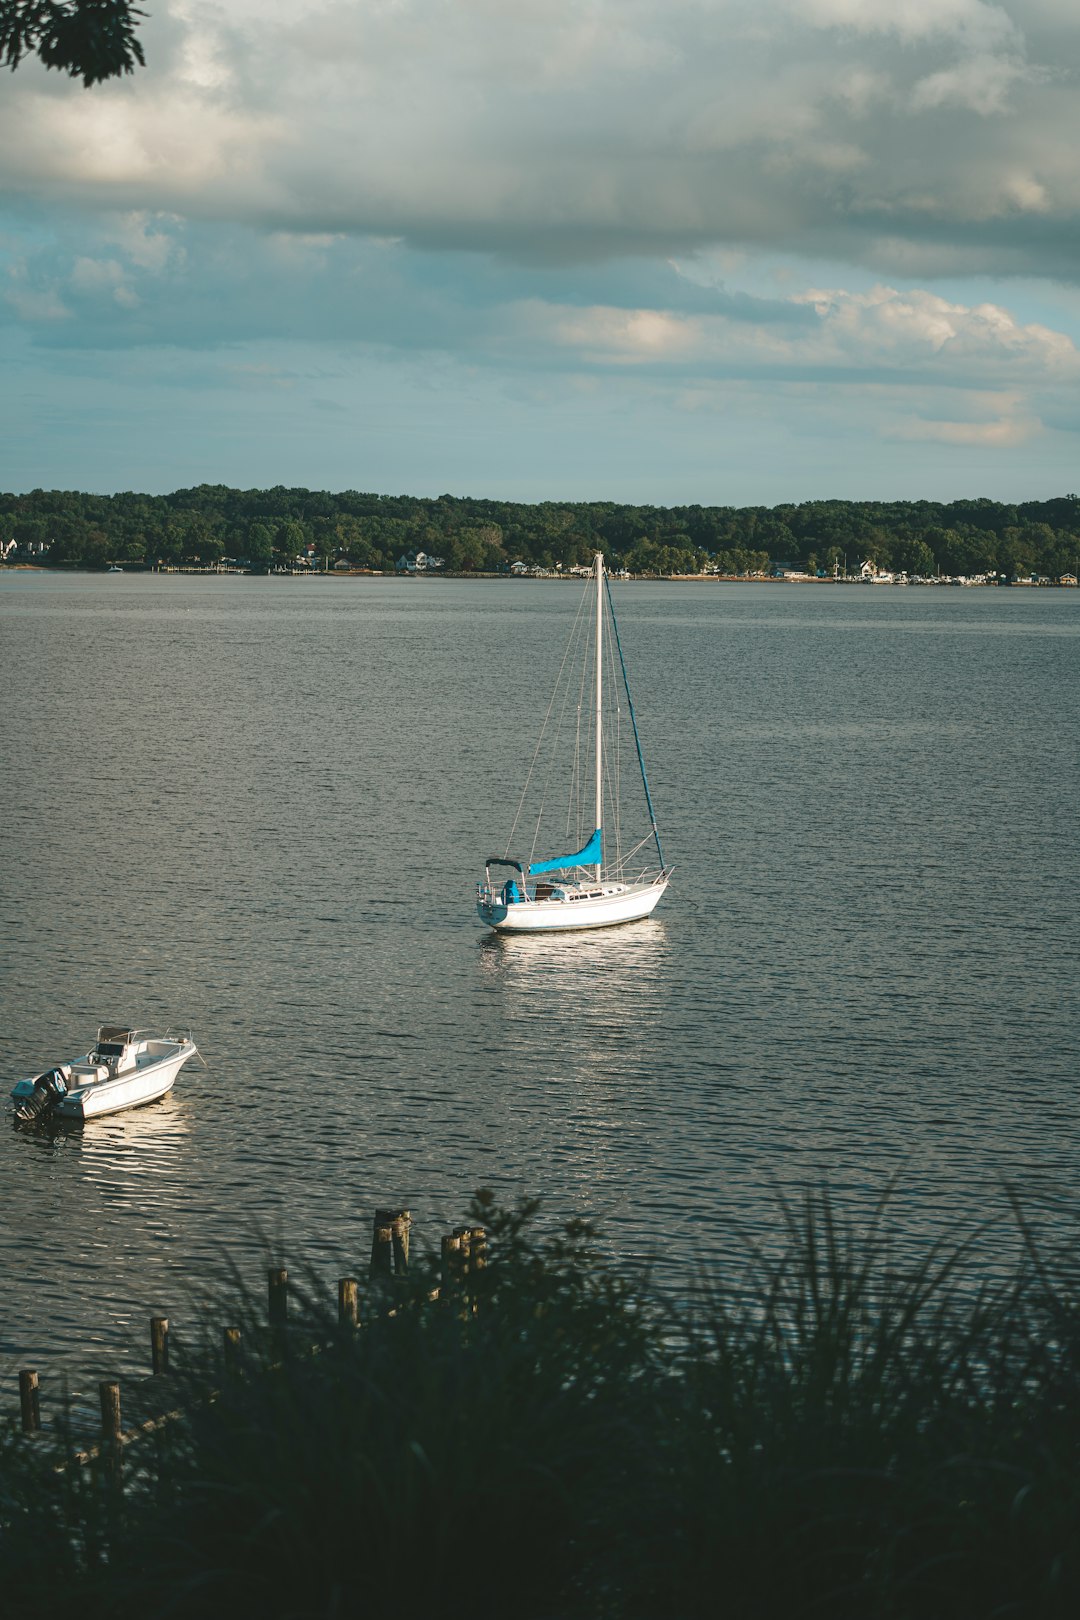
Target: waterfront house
(418, 562)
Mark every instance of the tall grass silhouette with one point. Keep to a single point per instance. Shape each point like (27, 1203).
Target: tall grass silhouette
(838, 1433)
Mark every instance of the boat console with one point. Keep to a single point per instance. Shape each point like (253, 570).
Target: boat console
(114, 1049)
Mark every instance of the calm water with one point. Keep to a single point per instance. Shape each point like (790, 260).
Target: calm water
(259, 807)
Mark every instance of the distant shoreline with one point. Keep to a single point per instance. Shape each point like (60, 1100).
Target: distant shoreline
(433, 577)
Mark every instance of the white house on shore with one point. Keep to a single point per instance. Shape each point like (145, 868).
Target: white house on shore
(418, 562)
(871, 574)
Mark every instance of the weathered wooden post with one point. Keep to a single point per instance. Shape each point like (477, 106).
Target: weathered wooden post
(111, 1446)
(109, 1392)
(231, 1347)
(348, 1293)
(159, 1344)
(390, 1242)
(451, 1267)
(277, 1279)
(382, 1251)
(474, 1246)
(400, 1227)
(30, 1401)
(473, 1249)
(382, 1244)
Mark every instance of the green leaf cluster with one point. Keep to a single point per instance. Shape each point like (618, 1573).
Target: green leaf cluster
(91, 40)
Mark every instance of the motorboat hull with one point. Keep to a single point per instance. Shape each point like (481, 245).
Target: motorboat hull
(94, 1089)
(131, 1090)
(626, 903)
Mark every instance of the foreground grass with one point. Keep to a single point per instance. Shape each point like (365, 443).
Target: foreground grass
(843, 1437)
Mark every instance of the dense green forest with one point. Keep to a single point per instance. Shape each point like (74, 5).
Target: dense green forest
(275, 527)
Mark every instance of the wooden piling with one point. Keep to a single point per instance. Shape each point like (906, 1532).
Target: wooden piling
(231, 1348)
(382, 1247)
(109, 1392)
(463, 1256)
(348, 1295)
(451, 1265)
(278, 1289)
(159, 1344)
(400, 1227)
(471, 1259)
(112, 1450)
(473, 1240)
(474, 1249)
(399, 1222)
(30, 1401)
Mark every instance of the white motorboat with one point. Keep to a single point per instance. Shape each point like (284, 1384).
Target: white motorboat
(590, 888)
(123, 1069)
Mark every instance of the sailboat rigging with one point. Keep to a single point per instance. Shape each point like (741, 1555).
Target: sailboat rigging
(583, 889)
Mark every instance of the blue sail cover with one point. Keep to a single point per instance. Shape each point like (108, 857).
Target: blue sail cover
(589, 856)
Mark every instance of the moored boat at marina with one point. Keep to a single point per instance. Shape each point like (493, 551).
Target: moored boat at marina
(123, 1069)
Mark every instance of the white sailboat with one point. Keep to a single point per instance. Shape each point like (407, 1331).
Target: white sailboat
(589, 888)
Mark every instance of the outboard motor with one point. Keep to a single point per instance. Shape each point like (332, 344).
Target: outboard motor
(48, 1090)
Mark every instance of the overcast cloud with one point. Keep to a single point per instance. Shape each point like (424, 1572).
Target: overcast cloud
(655, 213)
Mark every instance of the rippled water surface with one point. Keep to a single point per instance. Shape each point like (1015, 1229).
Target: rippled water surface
(259, 807)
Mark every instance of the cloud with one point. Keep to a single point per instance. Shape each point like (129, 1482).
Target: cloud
(152, 282)
(201, 285)
(973, 22)
(920, 329)
(1003, 434)
(565, 131)
(34, 306)
(980, 83)
(856, 336)
(566, 206)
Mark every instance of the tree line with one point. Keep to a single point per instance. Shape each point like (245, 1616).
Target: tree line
(275, 527)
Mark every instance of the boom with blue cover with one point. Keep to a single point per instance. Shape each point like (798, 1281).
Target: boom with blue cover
(589, 856)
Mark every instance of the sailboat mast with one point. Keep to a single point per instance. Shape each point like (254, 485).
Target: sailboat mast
(599, 705)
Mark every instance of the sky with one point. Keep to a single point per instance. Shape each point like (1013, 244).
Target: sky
(721, 251)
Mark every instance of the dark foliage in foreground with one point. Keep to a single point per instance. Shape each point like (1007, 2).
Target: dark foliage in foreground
(91, 40)
(844, 1437)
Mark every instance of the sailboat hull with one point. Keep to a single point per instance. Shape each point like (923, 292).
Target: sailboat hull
(623, 902)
